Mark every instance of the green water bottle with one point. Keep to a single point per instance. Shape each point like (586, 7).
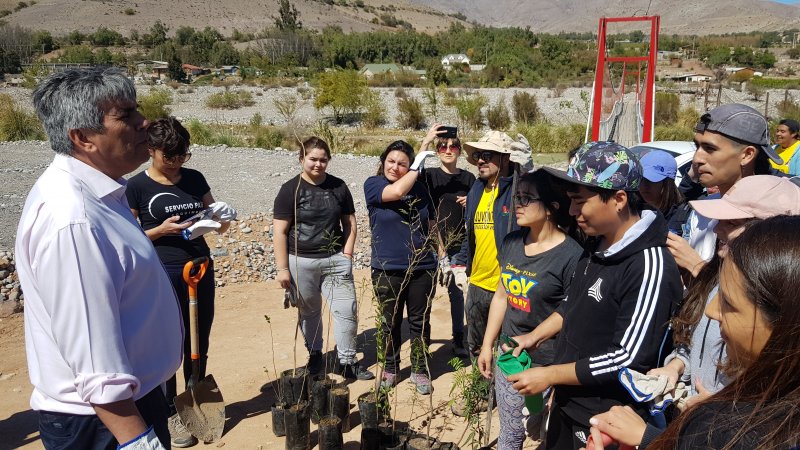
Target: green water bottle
(510, 365)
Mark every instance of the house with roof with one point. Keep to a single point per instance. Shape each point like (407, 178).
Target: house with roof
(689, 78)
(194, 71)
(454, 59)
(370, 70)
(153, 69)
(743, 72)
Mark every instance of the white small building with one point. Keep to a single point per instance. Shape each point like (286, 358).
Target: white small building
(690, 78)
(454, 59)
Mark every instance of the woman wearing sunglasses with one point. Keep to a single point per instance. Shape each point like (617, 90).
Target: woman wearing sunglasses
(162, 197)
(536, 263)
(448, 186)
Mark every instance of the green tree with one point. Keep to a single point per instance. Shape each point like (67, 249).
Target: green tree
(288, 17)
(223, 53)
(105, 37)
(75, 37)
(42, 41)
(342, 91)
(184, 34)
(156, 36)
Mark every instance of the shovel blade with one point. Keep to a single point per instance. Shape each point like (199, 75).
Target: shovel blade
(202, 410)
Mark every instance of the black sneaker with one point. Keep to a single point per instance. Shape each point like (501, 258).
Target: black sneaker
(315, 361)
(355, 371)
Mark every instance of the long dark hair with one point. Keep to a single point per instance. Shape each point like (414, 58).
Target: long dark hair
(668, 195)
(766, 253)
(694, 301)
(553, 194)
(399, 145)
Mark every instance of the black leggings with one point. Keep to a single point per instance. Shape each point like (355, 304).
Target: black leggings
(395, 289)
(205, 317)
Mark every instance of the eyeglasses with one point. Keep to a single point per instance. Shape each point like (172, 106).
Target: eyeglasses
(177, 158)
(443, 148)
(485, 155)
(525, 200)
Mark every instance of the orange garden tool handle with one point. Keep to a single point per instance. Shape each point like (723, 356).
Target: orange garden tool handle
(193, 272)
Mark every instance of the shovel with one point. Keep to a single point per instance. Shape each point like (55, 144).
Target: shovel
(201, 407)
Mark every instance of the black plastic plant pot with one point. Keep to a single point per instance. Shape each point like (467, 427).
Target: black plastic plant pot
(330, 433)
(298, 427)
(371, 413)
(448, 446)
(278, 419)
(320, 405)
(339, 402)
(294, 386)
(371, 439)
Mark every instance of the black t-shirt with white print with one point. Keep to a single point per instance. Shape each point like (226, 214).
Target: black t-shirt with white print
(535, 286)
(157, 202)
(319, 210)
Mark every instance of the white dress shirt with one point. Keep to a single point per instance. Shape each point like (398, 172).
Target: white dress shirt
(102, 322)
(700, 233)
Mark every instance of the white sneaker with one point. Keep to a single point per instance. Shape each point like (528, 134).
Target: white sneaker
(179, 435)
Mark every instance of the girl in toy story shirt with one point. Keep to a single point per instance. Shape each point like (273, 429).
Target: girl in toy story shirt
(536, 264)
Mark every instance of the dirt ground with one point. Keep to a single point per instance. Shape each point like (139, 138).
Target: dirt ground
(241, 361)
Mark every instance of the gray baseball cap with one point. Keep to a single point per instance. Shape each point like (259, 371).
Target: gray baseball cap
(740, 123)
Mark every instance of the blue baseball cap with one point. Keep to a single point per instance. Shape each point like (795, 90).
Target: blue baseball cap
(657, 165)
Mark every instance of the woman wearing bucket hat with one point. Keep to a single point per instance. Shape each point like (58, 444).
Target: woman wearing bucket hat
(699, 350)
(403, 258)
(659, 191)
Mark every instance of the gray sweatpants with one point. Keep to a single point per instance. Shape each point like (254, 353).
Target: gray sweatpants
(333, 278)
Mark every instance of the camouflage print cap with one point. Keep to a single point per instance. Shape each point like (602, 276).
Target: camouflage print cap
(606, 165)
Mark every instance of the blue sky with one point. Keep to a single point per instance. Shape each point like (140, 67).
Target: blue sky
(787, 1)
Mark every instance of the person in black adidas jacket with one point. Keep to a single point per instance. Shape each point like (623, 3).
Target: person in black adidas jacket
(620, 300)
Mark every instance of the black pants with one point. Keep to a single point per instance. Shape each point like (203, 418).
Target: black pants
(71, 431)
(205, 317)
(396, 289)
(563, 433)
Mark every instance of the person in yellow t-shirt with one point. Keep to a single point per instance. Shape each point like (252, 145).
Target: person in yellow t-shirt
(786, 137)
(489, 217)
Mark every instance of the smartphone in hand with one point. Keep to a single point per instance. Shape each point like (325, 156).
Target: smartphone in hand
(450, 132)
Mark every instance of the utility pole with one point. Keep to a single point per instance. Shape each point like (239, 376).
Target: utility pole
(719, 94)
(766, 106)
(705, 100)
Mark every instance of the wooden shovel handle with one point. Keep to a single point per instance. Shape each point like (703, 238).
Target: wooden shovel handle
(193, 272)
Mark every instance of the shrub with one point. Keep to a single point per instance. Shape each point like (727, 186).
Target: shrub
(755, 90)
(230, 100)
(265, 137)
(498, 116)
(526, 110)
(256, 120)
(410, 113)
(374, 110)
(673, 133)
(129, 11)
(667, 107)
(400, 92)
(17, 124)
(468, 110)
(547, 138)
(287, 106)
(153, 105)
(789, 109)
(201, 134)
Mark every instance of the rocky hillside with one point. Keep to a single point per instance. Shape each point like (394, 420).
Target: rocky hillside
(677, 16)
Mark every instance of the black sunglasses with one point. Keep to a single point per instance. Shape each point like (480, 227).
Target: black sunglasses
(485, 155)
(525, 200)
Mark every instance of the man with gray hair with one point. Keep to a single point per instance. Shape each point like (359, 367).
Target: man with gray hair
(102, 323)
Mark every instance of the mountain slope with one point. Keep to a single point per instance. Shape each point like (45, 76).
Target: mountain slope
(677, 16)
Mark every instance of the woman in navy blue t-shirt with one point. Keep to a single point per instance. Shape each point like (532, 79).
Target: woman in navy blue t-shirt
(403, 260)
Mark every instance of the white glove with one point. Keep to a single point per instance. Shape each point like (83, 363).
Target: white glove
(460, 275)
(419, 161)
(223, 211)
(200, 228)
(145, 441)
(445, 271)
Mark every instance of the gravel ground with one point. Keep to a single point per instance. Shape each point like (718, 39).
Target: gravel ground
(246, 178)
